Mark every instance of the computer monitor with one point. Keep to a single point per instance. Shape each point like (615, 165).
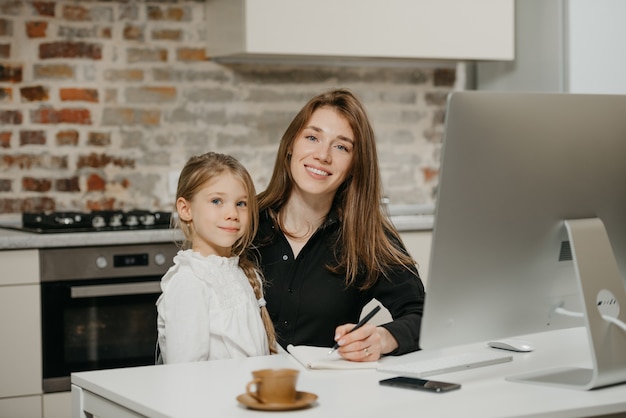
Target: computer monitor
(514, 167)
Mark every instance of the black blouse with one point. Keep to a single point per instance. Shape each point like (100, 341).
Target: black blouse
(307, 302)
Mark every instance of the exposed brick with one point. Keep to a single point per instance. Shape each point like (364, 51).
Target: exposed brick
(6, 27)
(102, 160)
(444, 77)
(436, 98)
(146, 55)
(110, 96)
(11, 117)
(29, 161)
(190, 75)
(5, 139)
(102, 204)
(54, 71)
(36, 29)
(176, 14)
(44, 8)
(32, 138)
(167, 35)
(6, 94)
(37, 204)
(71, 32)
(123, 75)
(31, 204)
(430, 173)
(10, 73)
(71, 12)
(34, 93)
(49, 115)
(150, 94)
(67, 185)
(133, 33)
(5, 50)
(95, 183)
(128, 12)
(99, 139)
(130, 116)
(93, 13)
(70, 50)
(6, 185)
(74, 94)
(439, 117)
(32, 184)
(191, 54)
(150, 117)
(68, 137)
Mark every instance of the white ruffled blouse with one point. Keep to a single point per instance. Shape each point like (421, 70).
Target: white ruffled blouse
(208, 311)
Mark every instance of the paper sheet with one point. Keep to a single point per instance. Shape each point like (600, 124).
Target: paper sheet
(318, 358)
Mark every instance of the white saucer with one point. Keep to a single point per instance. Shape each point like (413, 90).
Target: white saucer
(303, 399)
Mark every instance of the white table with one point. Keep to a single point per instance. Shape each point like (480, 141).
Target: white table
(210, 388)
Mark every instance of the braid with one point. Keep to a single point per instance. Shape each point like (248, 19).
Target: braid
(253, 279)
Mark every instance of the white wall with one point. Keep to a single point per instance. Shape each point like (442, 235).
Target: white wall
(596, 36)
(574, 46)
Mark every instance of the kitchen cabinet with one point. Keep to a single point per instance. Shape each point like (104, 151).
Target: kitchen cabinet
(22, 407)
(570, 46)
(20, 328)
(240, 30)
(57, 405)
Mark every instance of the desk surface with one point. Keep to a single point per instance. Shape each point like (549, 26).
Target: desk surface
(210, 388)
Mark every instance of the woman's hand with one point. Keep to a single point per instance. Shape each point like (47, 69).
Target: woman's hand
(367, 343)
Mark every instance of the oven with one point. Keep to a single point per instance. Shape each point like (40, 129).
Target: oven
(98, 308)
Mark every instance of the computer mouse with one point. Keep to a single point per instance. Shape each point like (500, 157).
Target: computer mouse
(512, 344)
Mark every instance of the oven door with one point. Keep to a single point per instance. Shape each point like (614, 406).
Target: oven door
(97, 324)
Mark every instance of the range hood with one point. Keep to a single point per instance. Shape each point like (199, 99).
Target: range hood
(360, 30)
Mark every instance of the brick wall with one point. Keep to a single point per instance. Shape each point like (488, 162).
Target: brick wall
(102, 102)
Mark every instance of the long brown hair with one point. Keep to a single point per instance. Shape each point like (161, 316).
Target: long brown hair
(368, 241)
(194, 175)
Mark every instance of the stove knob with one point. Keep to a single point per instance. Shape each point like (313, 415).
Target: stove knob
(159, 259)
(101, 262)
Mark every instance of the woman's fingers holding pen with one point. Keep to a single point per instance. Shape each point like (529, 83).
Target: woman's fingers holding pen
(362, 344)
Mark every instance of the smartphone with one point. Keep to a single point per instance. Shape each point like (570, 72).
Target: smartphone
(420, 384)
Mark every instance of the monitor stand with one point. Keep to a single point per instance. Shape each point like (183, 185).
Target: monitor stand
(603, 292)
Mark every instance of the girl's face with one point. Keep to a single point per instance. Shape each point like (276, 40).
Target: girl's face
(322, 154)
(218, 214)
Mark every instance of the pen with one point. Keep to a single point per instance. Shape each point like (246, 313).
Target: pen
(362, 322)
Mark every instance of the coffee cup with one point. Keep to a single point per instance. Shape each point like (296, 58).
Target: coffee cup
(277, 386)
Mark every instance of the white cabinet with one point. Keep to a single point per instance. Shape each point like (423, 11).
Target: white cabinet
(20, 328)
(358, 29)
(57, 405)
(22, 407)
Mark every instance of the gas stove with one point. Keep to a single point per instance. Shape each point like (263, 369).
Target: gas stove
(95, 221)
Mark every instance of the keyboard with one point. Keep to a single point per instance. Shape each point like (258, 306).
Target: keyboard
(446, 364)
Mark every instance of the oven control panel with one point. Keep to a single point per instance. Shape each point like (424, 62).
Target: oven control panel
(78, 263)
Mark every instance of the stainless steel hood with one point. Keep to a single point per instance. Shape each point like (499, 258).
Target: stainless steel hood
(345, 31)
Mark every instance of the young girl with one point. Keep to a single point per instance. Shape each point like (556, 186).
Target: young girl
(212, 305)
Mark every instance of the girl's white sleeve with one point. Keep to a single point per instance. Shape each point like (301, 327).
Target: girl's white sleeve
(187, 321)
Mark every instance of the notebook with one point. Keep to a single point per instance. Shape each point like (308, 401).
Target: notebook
(318, 358)
(446, 364)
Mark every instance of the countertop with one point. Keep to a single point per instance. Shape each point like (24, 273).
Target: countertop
(210, 388)
(11, 239)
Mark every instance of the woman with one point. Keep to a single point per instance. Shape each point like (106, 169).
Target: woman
(324, 244)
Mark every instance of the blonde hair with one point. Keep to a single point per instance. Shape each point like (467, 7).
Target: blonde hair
(369, 244)
(194, 175)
